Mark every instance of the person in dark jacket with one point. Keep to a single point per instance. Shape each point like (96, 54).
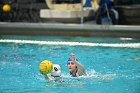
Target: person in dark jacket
(106, 10)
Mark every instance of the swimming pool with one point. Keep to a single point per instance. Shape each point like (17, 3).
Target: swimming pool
(111, 58)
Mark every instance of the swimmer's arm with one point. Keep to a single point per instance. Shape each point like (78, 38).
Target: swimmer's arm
(81, 69)
(48, 78)
(137, 58)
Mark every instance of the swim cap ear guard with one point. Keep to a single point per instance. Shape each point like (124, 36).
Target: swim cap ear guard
(56, 71)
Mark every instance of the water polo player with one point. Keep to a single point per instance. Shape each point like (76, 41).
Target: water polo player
(50, 71)
(75, 68)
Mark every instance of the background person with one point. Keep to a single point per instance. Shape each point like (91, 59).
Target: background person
(107, 10)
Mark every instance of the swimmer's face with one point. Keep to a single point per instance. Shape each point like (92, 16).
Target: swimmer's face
(71, 66)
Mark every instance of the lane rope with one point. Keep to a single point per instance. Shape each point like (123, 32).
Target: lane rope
(129, 45)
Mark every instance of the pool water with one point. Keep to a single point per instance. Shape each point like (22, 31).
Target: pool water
(111, 58)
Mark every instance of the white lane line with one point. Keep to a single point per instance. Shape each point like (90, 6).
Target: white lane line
(131, 45)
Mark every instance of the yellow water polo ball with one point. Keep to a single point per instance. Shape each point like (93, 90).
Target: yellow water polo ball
(6, 8)
(46, 67)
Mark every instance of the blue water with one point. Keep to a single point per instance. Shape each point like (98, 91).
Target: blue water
(116, 71)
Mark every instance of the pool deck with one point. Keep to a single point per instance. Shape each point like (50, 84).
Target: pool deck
(56, 29)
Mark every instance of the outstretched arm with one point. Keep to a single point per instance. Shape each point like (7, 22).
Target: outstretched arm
(47, 77)
(81, 69)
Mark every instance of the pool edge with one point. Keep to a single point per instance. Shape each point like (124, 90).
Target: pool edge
(55, 29)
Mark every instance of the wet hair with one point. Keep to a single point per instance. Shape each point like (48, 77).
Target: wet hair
(74, 75)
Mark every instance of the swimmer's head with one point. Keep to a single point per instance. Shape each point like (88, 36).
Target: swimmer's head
(56, 70)
(71, 66)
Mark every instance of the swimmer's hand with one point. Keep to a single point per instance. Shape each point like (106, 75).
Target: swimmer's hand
(48, 78)
(73, 58)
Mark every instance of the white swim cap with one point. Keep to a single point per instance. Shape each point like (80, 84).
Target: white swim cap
(56, 70)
